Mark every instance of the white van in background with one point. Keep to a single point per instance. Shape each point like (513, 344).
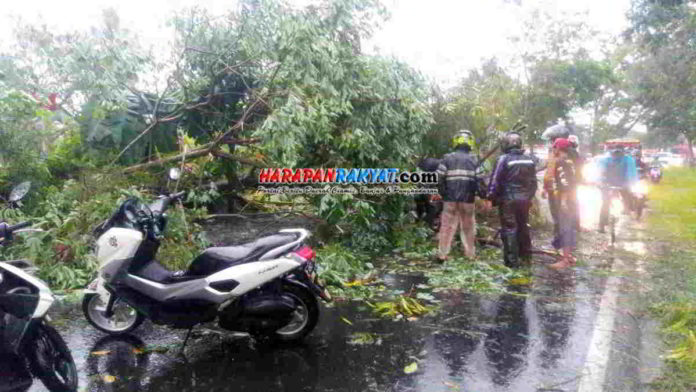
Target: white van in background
(670, 159)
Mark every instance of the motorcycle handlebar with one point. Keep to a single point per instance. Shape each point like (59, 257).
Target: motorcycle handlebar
(19, 226)
(177, 195)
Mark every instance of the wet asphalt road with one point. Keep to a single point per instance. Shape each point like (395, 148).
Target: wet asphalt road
(536, 338)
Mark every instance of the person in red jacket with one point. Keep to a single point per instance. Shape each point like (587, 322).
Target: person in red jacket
(560, 182)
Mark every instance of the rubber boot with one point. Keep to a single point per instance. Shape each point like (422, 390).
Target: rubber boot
(525, 246)
(511, 250)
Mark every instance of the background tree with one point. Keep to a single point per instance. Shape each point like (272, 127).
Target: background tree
(664, 33)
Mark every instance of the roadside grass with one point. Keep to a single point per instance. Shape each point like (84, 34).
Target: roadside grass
(673, 222)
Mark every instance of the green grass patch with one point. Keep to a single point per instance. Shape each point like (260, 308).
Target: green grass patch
(673, 275)
(674, 204)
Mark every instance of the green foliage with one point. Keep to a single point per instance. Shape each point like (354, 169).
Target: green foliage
(340, 264)
(664, 33)
(68, 156)
(67, 216)
(401, 307)
(365, 224)
(184, 239)
(486, 97)
(23, 125)
(673, 275)
(477, 276)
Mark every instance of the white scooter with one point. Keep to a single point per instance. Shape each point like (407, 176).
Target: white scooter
(267, 287)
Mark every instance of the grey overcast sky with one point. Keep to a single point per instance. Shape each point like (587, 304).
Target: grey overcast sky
(441, 38)
(444, 38)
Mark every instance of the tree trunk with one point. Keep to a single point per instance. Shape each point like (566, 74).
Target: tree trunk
(690, 153)
(593, 125)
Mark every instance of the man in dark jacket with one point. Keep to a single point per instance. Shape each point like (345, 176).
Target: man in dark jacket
(458, 185)
(512, 187)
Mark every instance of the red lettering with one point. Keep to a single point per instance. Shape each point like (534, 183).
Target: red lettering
(297, 177)
(287, 173)
(275, 177)
(308, 173)
(330, 175)
(264, 175)
(318, 174)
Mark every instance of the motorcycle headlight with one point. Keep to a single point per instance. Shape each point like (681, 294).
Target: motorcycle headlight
(639, 188)
(590, 172)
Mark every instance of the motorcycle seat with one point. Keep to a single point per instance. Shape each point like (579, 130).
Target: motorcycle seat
(218, 258)
(156, 272)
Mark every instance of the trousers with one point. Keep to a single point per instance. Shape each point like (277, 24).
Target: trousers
(514, 220)
(457, 214)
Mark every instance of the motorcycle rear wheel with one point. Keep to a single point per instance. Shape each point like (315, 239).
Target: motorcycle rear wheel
(50, 359)
(305, 317)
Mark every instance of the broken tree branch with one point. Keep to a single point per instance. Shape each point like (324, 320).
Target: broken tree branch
(250, 162)
(160, 162)
(199, 152)
(145, 132)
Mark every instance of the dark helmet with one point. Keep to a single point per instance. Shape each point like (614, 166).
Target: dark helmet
(511, 140)
(555, 132)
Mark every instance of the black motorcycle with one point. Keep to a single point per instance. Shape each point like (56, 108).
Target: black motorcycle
(27, 340)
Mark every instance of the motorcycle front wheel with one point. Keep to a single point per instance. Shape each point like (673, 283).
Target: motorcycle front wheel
(639, 209)
(50, 359)
(123, 320)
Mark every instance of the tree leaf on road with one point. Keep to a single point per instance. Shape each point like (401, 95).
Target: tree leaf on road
(345, 320)
(104, 352)
(524, 281)
(412, 368)
(107, 378)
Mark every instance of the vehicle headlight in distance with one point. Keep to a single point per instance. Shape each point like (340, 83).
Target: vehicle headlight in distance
(640, 188)
(590, 172)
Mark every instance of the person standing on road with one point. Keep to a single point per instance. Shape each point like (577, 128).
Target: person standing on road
(560, 183)
(552, 133)
(616, 170)
(458, 185)
(512, 187)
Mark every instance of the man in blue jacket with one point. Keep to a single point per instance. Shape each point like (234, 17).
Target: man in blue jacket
(616, 170)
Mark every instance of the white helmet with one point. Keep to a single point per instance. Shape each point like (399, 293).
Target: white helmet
(574, 140)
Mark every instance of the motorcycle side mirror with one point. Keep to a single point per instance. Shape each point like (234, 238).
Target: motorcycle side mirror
(174, 174)
(19, 191)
